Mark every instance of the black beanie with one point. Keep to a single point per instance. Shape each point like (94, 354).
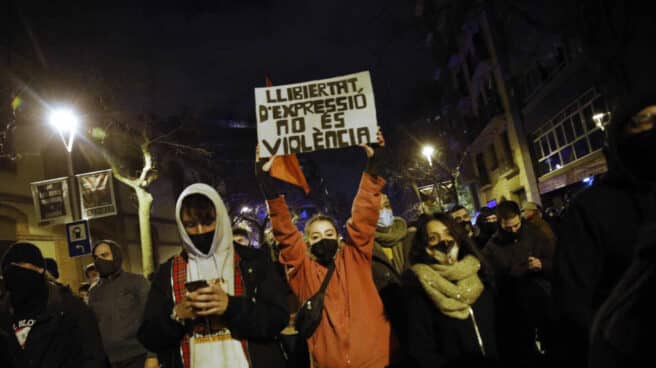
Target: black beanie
(51, 266)
(23, 252)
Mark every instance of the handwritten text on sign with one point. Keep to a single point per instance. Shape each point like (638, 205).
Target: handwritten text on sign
(323, 114)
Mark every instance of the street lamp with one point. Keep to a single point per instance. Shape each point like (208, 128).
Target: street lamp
(428, 152)
(245, 209)
(65, 121)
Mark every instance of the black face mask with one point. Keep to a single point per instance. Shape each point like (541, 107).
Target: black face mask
(638, 154)
(104, 267)
(488, 227)
(28, 290)
(203, 242)
(509, 236)
(324, 250)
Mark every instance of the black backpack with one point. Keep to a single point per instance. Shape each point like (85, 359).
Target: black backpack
(309, 314)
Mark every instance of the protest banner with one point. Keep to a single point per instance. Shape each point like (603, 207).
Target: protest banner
(322, 114)
(97, 194)
(51, 201)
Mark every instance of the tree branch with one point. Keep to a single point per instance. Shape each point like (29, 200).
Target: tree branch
(166, 135)
(200, 151)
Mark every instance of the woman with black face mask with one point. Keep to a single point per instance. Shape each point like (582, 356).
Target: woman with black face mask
(352, 330)
(450, 313)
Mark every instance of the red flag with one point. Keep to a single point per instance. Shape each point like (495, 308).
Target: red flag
(287, 168)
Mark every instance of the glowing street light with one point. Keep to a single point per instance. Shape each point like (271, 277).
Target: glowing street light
(66, 122)
(245, 209)
(428, 152)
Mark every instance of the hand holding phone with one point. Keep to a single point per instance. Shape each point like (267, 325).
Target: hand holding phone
(192, 286)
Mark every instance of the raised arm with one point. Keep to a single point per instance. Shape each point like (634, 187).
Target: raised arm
(292, 246)
(361, 227)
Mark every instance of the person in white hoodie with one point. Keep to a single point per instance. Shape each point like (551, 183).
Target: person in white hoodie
(216, 304)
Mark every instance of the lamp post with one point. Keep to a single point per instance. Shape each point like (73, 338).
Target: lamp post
(65, 121)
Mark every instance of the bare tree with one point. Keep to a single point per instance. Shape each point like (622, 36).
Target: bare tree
(141, 179)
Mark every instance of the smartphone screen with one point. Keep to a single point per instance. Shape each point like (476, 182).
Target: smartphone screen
(195, 285)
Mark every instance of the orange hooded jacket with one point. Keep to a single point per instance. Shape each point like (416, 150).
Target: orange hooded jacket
(353, 331)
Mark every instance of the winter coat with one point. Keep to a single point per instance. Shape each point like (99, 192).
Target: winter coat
(353, 330)
(65, 335)
(509, 258)
(622, 333)
(258, 316)
(596, 243)
(118, 303)
(436, 340)
(523, 297)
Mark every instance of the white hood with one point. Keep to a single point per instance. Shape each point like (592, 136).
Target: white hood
(219, 262)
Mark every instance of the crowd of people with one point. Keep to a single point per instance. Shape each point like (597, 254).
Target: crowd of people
(510, 290)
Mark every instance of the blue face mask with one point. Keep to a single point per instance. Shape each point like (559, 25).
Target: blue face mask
(385, 218)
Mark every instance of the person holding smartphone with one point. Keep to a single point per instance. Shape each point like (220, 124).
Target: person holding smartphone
(216, 304)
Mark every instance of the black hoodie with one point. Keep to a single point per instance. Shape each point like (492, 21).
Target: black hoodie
(118, 302)
(597, 236)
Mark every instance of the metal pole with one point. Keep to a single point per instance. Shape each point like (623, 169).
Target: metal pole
(71, 185)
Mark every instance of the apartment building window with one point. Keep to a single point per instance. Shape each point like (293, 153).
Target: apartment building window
(571, 134)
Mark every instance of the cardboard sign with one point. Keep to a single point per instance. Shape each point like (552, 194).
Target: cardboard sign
(79, 238)
(97, 194)
(51, 201)
(323, 114)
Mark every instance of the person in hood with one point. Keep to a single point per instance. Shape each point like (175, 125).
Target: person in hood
(486, 222)
(217, 303)
(598, 232)
(118, 300)
(450, 309)
(353, 330)
(521, 260)
(47, 325)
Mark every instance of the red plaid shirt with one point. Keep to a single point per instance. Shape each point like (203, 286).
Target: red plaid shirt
(179, 277)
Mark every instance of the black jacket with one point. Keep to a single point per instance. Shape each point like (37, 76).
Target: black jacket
(436, 340)
(258, 316)
(509, 258)
(65, 335)
(596, 242)
(623, 328)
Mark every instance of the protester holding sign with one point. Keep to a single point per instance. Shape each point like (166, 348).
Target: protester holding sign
(353, 330)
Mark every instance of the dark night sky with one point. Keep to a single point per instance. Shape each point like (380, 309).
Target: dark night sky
(158, 57)
(210, 57)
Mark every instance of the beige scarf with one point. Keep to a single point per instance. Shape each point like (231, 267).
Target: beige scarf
(453, 288)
